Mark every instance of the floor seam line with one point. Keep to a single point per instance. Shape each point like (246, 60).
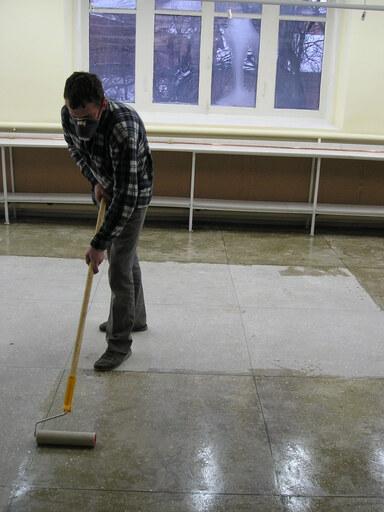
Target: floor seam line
(239, 307)
(277, 483)
(36, 486)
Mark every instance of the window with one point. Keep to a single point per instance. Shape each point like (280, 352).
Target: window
(300, 57)
(112, 44)
(176, 56)
(212, 57)
(235, 55)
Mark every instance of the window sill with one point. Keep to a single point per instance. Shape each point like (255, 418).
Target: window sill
(236, 125)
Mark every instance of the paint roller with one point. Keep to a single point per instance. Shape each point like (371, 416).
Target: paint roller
(67, 438)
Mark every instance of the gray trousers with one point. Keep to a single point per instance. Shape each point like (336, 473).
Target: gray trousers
(127, 307)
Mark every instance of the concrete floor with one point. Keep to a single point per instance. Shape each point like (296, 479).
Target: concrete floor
(258, 386)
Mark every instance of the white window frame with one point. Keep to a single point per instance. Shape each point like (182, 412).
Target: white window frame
(264, 114)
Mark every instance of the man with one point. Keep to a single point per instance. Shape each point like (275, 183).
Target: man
(107, 140)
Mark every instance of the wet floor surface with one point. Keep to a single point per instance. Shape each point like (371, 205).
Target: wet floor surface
(258, 386)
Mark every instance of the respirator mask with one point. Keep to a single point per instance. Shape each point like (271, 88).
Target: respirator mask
(85, 128)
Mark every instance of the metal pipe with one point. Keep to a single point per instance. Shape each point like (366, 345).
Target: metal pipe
(315, 197)
(192, 192)
(5, 191)
(29, 129)
(305, 3)
(11, 169)
(327, 5)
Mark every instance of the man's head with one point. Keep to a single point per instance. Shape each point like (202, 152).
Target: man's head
(82, 88)
(84, 98)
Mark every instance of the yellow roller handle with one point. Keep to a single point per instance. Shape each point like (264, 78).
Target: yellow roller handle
(71, 382)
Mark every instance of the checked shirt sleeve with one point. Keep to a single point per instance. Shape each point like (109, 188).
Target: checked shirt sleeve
(123, 151)
(73, 151)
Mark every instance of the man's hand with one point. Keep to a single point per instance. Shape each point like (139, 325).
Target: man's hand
(100, 192)
(95, 258)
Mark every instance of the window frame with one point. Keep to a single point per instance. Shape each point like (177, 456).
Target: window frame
(264, 114)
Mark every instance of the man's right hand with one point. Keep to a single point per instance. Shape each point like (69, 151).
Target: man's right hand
(100, 192)
(95, 258)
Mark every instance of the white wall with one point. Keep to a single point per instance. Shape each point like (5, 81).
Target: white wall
(37, 55)
(361, 75)
(35, 58)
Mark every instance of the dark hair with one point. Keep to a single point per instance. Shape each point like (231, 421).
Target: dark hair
(82, 88)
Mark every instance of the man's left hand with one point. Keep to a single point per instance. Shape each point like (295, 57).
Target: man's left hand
(95, 258)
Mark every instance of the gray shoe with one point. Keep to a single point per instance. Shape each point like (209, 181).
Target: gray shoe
(139, 328)
(110, 360)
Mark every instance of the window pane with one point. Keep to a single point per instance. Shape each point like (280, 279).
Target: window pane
(299, 64)
(176, 59)
(114, 4)
(179, 5)
(311, 10)
(235, 62)
(112, 53)
(243, 7)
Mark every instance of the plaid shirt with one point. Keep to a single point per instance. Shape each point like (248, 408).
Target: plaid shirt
(118, 157)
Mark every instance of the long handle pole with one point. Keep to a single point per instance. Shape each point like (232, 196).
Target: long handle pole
(71, 382)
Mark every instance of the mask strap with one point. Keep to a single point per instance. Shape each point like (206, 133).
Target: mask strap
(99, 112)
